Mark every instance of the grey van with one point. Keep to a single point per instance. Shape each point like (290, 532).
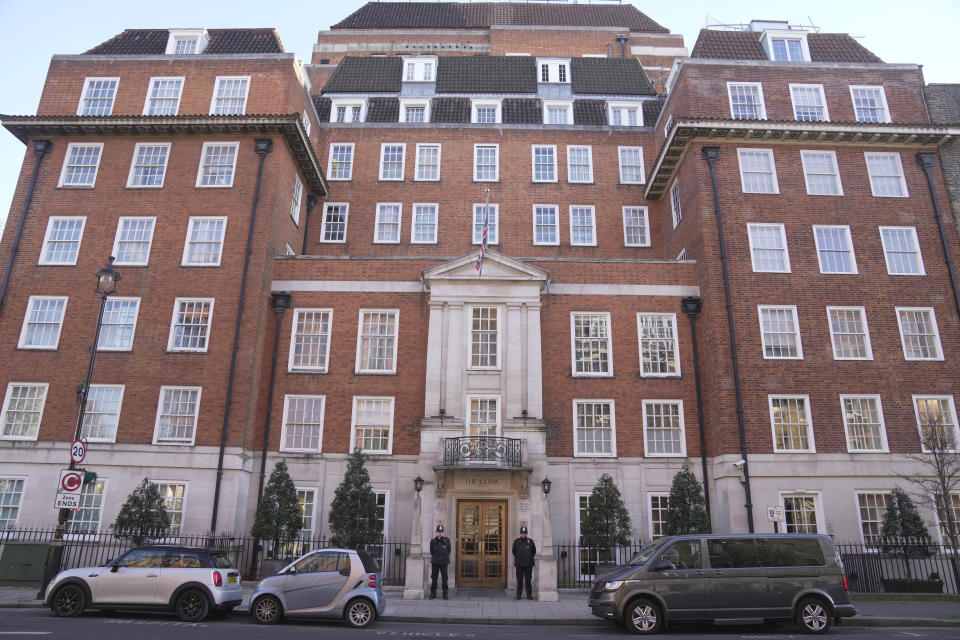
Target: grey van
(726, 578)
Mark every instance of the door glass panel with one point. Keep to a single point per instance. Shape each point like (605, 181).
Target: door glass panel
(481, 545)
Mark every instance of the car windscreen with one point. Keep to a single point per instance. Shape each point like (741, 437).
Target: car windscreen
(645, 552)
(221, 561)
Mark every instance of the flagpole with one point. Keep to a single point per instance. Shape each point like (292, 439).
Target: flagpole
(486, 227)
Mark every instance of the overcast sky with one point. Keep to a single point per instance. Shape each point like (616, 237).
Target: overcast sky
(920, 32)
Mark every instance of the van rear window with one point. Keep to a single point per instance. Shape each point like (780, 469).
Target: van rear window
(734, 553)
(793, 552)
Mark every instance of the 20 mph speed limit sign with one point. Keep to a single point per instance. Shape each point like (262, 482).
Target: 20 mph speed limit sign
(78, 450)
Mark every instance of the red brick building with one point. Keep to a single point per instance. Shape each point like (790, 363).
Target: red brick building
(299, 252)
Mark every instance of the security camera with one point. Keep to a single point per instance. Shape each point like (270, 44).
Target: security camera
(739, 464)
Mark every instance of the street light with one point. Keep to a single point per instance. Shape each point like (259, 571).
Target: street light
(418, 483)
(545, 484)
(107, 279)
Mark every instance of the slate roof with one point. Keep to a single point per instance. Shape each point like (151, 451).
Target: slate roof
(366, 75)
(383, 110)
(454, 110)
(522, 111)
(486, 74)
(153, 42)
(651, 111)
(322, 105)
(745, 45)
(483, 15)
(618, 76)
(590, 112)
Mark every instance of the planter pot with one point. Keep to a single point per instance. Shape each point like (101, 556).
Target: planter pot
(891, 585)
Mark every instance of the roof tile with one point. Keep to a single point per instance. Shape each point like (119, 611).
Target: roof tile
(617, 76)
(486, 74)
(454, 110)
(383, 110)
(745, 45)
(522, 111)
(590, 112)
(366, 74)
(147, 42)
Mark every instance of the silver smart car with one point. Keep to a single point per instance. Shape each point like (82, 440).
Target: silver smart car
(328, 583)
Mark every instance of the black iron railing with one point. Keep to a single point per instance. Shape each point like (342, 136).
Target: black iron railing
(501, 452)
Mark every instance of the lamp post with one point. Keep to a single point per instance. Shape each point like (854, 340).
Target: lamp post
(547, 573)
(415, 576)
(107, 279)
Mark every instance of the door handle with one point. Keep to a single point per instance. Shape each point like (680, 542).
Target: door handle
(718, 573)
(152, 575)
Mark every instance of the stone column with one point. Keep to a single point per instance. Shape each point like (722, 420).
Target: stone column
(435, 361)
(547, 563)
(534, 362)
(454, 361)
(514, 362)
(413, 587)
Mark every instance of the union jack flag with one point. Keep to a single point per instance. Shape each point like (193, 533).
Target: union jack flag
(483, 241)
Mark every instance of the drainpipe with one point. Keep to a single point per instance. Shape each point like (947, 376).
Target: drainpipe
(711, 154)
(622, 39)
(691, 306)
(281, 302)
(311, 203)
(262, 146)
(40, 149)
(925, 160)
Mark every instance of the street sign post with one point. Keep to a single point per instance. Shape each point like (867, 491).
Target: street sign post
(78, 450)
(775, 515)
(69, 489)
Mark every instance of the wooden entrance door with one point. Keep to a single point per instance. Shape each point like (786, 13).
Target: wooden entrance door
(481, 552)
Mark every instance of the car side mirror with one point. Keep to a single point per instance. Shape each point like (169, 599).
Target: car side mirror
(114, 568)
(291, 570)
(661, 565)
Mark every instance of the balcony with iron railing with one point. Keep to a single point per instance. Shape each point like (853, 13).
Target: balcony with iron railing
(483, 451)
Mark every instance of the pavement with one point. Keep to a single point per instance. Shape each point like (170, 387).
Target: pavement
(490, 607)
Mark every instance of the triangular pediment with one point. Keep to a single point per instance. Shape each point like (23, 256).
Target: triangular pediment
(496, 267)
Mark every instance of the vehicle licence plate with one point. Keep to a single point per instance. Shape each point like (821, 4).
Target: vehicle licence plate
(232, 580)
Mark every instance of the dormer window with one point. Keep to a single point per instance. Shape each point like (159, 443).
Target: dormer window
(485, 111)
(558, 112)
(347, 110)
(554, 70)
(414, 111)
(786, 46)
(624, 114)
(786, 49)
(420, 69)
(183, 42)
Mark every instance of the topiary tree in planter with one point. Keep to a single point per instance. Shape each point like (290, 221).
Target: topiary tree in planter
(606, 524)
(353, 512)
(903, 532)
(143, 515)
(687, 511)
(279, 516)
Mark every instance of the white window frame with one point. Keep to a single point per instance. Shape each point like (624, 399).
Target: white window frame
(175, 529)
(635, 107)
(417, 104)
(667, 125)
(676, 211)
(283, 429)
(423, 146)
(348, 105)
(645, 214)
(796, 324)
(331, 177)
(676, 345)
(683, 432)
(323, 221)
(593, 225)
(87, 412)
(200, 36)
(496, 162)
(783, 238)
(353, 425)
(133, 165)
(772, 173)
(866, 333)
(936, 330)
(948, 503)
(47, 240)
(396, 341)
(98, 499)
(823, 101)
(11, 523)
(869, 544)
(761, 105)
(951, 407)
(884, 448)
(570, 165)
(804, 154)
(565, 105)
(812, 448)
(552, 165)
(386, 511)
(84, 98)
(133, 328)
(853, 256)
(885, 116)
(184, 262)
(43, 387)
(555, 226)
(798, 36)
(554, 73)
(149, 240)
(196, 417)
(305, 119)
(498, 354)
(233, 167)
(296, 199)
(21, 344)
(418, 66)
(413, 222)
(817, 505)
(886, 257)
(216, 89)
(486, 104)
(903, 181)
(573, 345)
(613, 429)
(379, 222)
(650, 520)
(477, 229)
(643, 174)
(403, 160)
(307, 517)
(171, 347)
(292, 367)
(62, 182)
(468, 423)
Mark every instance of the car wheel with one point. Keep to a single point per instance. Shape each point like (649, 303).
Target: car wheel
(267, 610)
(643, 616)
(813, 616)
(360, 613)
(68, 601)
(192, 605)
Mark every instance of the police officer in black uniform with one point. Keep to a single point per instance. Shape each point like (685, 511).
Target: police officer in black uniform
(439, 560)
(524, 550)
